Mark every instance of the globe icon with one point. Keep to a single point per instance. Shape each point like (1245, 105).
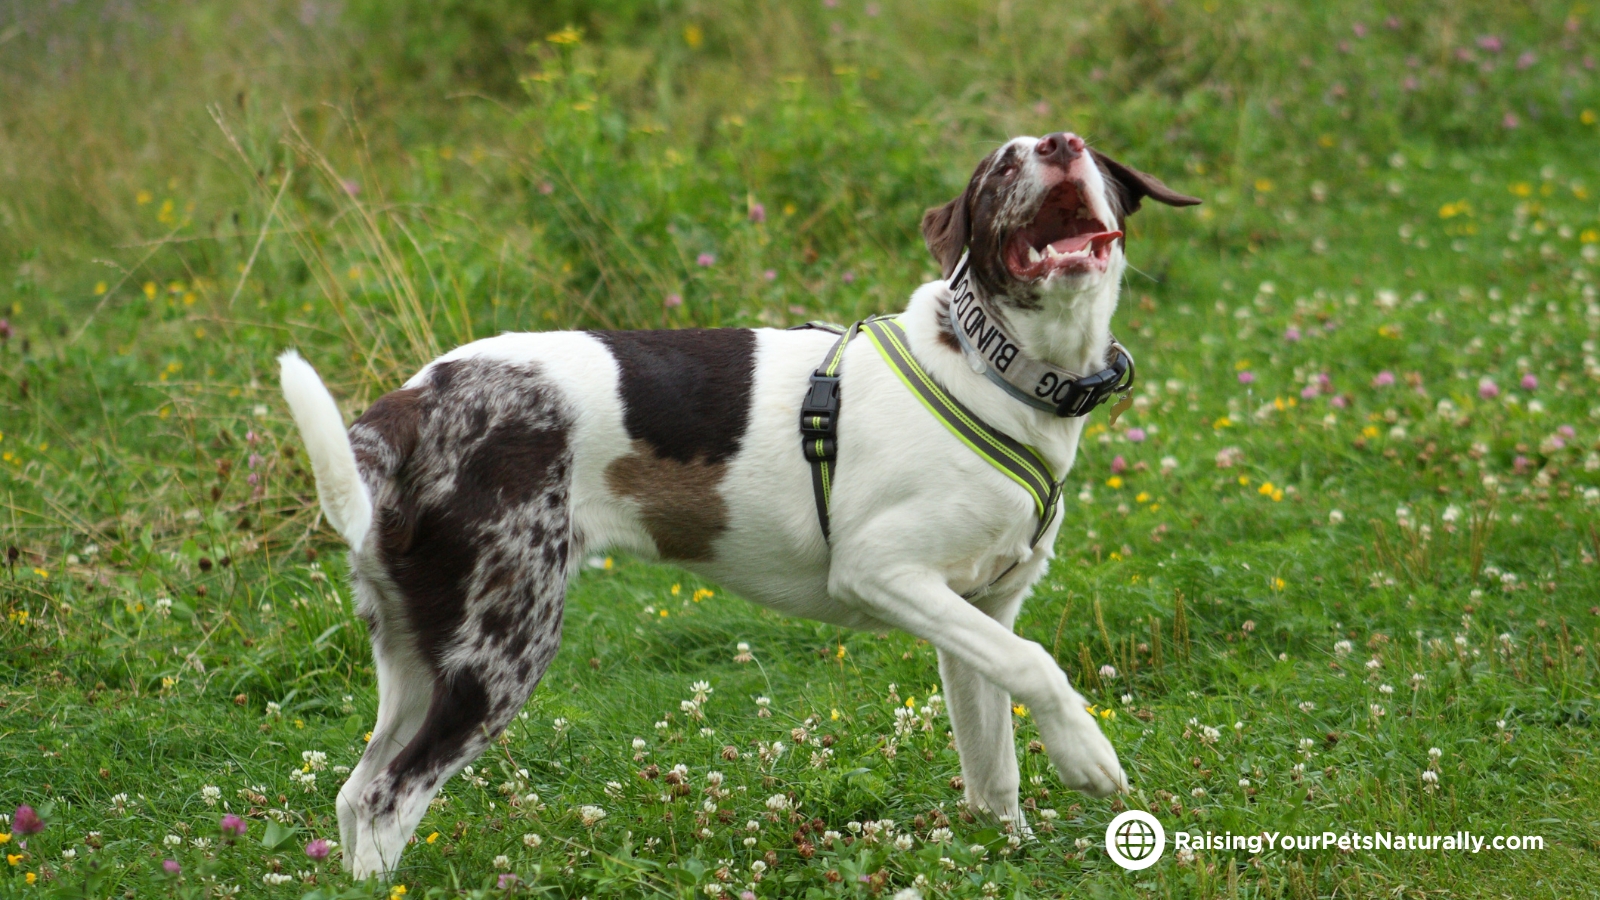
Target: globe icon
(1135, 839)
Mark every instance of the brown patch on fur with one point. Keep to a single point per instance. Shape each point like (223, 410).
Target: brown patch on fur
(679, 502)
(394, 420)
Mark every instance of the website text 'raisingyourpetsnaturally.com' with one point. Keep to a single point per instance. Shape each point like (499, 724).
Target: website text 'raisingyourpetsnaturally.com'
(1408, 842)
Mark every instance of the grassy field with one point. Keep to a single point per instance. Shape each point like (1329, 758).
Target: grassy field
(1335, 571)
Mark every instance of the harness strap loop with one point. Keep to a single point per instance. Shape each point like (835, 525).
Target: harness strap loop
(819, 420)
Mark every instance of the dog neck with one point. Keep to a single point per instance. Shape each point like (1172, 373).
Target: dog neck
(1033, 350)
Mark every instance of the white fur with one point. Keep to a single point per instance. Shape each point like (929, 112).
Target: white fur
(344, 498)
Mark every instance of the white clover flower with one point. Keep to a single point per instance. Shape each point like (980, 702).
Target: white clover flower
(903, 842)
(273, 709)
(1198, 792)
(211, 794)
(1049, 815)
(273, 879)
(315, 759)
(532, 841)
(778, 803)
(1306, 744)
(940, 835)
(1378, 711)
(1244, 782)
(69, 854)
(1307, 706)
(172, 840)
(1385, 688)
(560, 725)
(1185, 856)
(1434, 753)
(163, 606)
(701, 690)
(909, 893)
(591, 815)
(638, 745)
(1083, 843)
(502, 862)
(1430, 776)
(1343, 648)
(1108, 671)
(1335, 517)
(749, 842)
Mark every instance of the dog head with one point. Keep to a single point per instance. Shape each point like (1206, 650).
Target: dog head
(1042, 217)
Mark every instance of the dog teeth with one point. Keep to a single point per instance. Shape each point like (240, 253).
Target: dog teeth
(1034, 255)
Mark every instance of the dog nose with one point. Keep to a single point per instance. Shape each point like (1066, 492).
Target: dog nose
(1060, 148)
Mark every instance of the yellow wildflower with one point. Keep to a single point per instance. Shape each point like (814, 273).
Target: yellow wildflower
(433, 837)
(1020, 711)
(1114, 482)
(567, 35)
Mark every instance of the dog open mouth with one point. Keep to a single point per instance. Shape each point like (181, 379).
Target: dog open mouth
(1065, 237)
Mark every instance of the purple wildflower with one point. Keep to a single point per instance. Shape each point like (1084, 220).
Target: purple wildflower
(1527, 59)
(849, 278)
(507, 881)
(318, 849)
(546, 188)
(1136, 435)
(25, 821)
(1520, 464)
(1247, 377)
(233, 826)
(1383, 379)
(1309, 392)
(705, 260)
(1359, 29)
(1510, 121)
(1567, 431)
(770, 274)
(1118, 465)
(1392, 23)
(171, 866)
(1487, 389)
(1340, 401)
(1291, 334)
(5, 329)
(1530, 382)
(1490, 43)
(353, 188)
(758, 213)
(673, 300)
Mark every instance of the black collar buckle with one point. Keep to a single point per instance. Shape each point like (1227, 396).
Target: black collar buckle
(1087, 393)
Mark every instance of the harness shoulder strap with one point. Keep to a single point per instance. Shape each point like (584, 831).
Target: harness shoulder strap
(1016, 460)
(819, 420)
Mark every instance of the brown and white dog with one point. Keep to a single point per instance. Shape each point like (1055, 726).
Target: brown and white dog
(468, 495)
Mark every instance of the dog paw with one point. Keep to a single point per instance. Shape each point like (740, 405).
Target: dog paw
(1086, 761)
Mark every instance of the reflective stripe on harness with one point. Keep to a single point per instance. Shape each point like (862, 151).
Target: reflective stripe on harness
(819, 422)
(1016, 460)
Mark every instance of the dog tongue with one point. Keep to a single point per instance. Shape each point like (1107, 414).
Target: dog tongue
(1079, 241)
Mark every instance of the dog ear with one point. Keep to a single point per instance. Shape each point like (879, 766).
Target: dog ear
(946, 230)
(1133, 185)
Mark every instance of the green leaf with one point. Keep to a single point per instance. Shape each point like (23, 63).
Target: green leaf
(278, 836)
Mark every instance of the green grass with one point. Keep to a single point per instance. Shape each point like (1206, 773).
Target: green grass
(186, 189)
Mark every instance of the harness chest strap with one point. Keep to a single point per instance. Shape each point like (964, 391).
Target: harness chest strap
(819, 422)
(1016, 460)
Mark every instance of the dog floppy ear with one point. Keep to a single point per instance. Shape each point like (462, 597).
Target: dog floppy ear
(1133, 185)
(946, 230)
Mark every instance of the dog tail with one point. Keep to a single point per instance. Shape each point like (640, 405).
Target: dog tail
(344, 495)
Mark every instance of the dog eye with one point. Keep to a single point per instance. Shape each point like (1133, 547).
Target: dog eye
(1006, 169)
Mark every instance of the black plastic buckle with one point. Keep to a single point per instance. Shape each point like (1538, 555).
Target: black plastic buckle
(819, 414)
(1087, 393)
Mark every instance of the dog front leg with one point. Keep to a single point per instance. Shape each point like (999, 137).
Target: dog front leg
(980, 716)
(918, 601)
